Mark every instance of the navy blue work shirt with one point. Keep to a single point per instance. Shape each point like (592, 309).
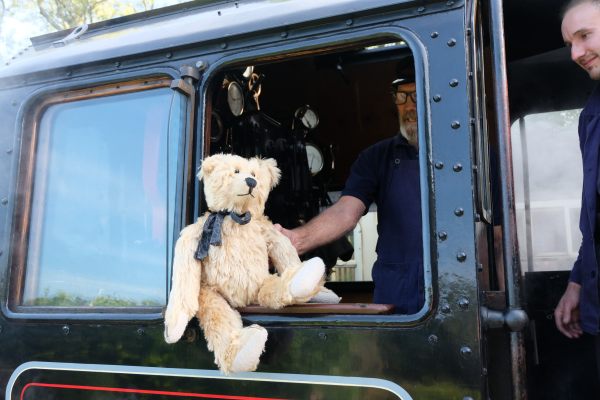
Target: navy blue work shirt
(585, 269)
(387, 173)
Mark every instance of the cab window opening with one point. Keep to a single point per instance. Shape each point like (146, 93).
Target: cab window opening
(316, 115)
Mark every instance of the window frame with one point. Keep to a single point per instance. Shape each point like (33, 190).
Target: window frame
(22, 216)
(325, 44)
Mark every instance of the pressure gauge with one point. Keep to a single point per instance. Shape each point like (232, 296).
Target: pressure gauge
(307, 116)
(235, 98)
(315, 158)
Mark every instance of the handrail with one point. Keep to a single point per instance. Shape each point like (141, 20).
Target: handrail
(509, 233)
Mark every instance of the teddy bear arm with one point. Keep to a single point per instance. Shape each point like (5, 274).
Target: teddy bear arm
(183, 299)
(282, 253)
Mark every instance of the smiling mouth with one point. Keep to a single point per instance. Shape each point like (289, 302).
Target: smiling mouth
(588, 63)
(247, 194)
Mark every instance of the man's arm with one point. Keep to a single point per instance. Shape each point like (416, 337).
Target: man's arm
(328, 226)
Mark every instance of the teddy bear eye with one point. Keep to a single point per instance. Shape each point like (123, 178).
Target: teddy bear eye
(237, 171)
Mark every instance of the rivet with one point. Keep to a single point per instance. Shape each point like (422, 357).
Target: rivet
(201, 65)
(465, 351)
(434, 35)
(442, 235)
(451, 42)
(169, 55)
(455, 124)
(461, 256)
(421, 9)
(437, 98)
(4, 201)
(470, 75)
(454, 83)
(432, 339)
(140, 331)
(457, 167)
(118, 64)
(463, 303)
(284, 34)
(66, 330)
(439, 165)
(459, 211)
(446, 309)
(349, 21)
(468, 31)
(223, 45)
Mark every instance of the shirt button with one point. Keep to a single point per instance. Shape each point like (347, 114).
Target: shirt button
(397, 161)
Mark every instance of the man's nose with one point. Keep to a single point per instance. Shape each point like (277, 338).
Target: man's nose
(577, 51)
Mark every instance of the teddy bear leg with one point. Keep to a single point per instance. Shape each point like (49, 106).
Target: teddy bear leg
(295, 285)
(252, 345)
(305, 282)
(236, 349)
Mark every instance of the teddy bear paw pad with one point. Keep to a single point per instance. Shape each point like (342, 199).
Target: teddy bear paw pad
(252, 344)
(307, 277)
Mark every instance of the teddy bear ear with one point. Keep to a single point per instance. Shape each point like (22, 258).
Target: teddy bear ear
(207, 165)
(270, 165)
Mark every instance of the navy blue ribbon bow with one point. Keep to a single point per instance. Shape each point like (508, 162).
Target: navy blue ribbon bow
(211, 231)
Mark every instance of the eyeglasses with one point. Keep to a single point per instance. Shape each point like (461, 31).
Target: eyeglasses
(402, 97)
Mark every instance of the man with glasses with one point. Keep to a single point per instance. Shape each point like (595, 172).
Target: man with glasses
(386, 173)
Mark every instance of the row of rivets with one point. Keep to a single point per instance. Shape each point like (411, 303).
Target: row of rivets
(461, 256)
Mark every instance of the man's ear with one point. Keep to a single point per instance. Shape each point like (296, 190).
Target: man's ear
(269, 165)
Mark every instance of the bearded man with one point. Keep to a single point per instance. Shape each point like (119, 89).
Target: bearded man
(387, 174)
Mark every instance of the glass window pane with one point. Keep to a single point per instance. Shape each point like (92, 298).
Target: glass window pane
(102, 208)
(548, 179)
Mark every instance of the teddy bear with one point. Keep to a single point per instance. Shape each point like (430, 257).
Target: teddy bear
(221, 262)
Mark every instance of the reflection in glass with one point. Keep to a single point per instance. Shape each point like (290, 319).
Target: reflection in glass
(103, 193)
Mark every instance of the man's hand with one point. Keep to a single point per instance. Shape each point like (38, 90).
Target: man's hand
(290, 234)
(566, 314)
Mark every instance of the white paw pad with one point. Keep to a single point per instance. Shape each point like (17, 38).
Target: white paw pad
(307, 278)
(252, 344)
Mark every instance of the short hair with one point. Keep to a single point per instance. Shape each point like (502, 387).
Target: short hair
(574, 3)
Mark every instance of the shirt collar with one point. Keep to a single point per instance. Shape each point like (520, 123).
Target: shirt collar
(400, 140)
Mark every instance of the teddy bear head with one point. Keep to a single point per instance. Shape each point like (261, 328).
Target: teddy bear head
(238, 184)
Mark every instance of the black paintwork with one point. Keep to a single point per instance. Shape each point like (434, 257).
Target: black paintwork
(425, 355)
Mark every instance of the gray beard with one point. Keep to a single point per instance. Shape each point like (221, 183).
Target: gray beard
(410, 133)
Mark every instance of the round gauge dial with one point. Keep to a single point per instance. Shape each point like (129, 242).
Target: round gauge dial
(307, 116)
(315, 158)
(235, 98)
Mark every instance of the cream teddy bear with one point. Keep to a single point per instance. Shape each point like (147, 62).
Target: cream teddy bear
(222, 261)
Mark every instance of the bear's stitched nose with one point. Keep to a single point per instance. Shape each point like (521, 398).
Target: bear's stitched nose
(251, 182)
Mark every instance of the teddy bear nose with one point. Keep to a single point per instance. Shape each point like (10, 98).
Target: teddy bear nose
(251, 182)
